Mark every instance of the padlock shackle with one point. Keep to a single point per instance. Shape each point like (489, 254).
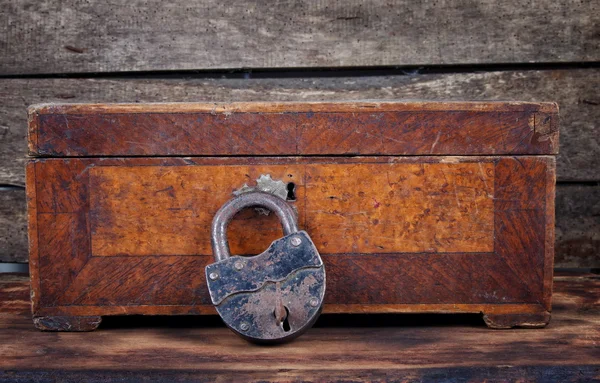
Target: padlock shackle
(219, 242)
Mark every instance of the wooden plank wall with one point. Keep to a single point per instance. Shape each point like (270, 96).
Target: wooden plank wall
(151, 51)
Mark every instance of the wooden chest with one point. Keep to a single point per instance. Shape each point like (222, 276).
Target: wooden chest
(415, 207)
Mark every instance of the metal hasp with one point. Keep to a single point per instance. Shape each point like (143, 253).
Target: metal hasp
(274, 296)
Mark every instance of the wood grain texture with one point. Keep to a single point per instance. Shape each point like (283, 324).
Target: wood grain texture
(72, 324)
(148, 35)
(514, 275)
(14, 294)
(578, 226)
(419, 208)
(383, 207)
(506, 321)
(13, 225)
(348, 348)
(574, 90)
(357, 128)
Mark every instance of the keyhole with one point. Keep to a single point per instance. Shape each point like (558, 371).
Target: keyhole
(291, 191)
(285, 324)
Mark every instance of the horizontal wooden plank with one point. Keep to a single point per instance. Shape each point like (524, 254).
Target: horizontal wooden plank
(13, 225)
(577, 226)
(563, 373)
(574, 90)
(95, 36)
(295, 128)
(230, 108)
(357, 347)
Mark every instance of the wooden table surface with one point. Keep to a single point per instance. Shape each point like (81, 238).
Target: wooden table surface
(452, 348)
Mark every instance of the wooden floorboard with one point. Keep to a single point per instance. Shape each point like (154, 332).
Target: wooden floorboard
(350, 348)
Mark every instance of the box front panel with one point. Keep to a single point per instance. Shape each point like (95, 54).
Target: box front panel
(131, 235)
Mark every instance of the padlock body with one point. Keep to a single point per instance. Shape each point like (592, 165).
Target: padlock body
(246, 290)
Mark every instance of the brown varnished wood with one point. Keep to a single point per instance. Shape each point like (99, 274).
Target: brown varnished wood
(423, 233)
(549, 228)
(32, 234)
(348, 208)
(512, 275)
(14, 294)
(165, 210)
(398, 207)
(520, 213)
(358, 128)
(372, 348)
(294, 107)
(491, 309)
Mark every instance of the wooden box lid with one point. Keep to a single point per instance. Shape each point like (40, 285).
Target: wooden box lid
(293, 129)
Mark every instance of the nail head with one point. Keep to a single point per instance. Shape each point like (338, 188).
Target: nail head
(296, 241)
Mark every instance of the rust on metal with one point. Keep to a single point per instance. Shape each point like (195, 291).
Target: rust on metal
(286, 215)
(273, 296)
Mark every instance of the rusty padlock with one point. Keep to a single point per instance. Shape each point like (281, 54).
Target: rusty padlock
(274, 296)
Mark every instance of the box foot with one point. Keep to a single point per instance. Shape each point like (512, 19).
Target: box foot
(527, 320)
(67, 323)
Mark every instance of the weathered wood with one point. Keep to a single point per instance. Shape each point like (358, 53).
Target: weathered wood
(578, 226)
(14, 294)
(13, 225)
(148, 35)
(65, 323)
(574, 90)
(91, 256)
(505, 321)
(365, 348)
(539, 373)
(233, 129)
